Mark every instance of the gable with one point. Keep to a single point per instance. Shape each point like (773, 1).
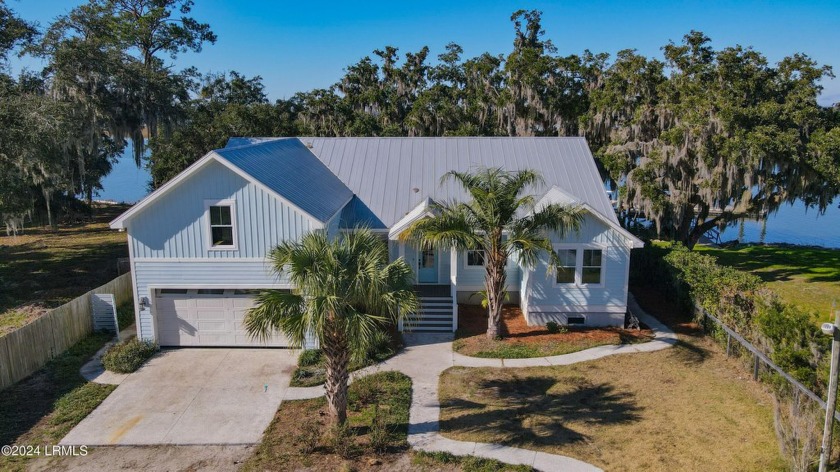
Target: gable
(289, 168)
(175, 225)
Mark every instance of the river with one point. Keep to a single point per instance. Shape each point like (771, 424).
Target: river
(792, 224)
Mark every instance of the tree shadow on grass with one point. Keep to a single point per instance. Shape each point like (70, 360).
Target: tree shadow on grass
(524, 411)
(26, 403)
(688, 353)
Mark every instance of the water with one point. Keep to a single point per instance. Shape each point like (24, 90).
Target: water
(126, 183)
(792, 224)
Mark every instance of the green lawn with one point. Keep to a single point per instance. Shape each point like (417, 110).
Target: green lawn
(804, 276)
(42, 269)
(43, 408)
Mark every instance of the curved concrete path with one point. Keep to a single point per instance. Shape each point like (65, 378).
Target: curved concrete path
(427, 355)
(94, 371)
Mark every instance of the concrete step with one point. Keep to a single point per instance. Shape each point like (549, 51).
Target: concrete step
(421, 329)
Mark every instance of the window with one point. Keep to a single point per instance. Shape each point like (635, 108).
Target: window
(575, 320)
(221, 225)
(566, 266)
(210, 291)
(173, 291)
(475, 258)
(591, 268)
(246, 292)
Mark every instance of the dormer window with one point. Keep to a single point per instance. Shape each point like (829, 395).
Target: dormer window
(221, 217)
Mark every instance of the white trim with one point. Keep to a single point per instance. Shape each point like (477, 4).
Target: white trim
(153, 295)
(601, 282)
(230, 203)
(120, 221)
(478, 288)
(566, 199)
(577, 309)
(579, 248)
(152, 288)
(422, 210)
(134, 294)
(466, 266)
(200, 259)
(318, 224)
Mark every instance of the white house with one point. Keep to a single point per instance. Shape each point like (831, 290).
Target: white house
(198, 244)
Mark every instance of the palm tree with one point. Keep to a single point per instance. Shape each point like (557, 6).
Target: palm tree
(500, 220)
(345, 290)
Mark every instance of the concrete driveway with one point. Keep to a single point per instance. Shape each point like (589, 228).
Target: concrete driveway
(192, 396)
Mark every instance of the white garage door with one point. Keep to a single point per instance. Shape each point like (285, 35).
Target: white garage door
(206, 317)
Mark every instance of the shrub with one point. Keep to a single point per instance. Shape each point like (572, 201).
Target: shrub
(310, 357)
(380, 432)
(125, 315)
(380, 348)
(310, 435)
(553, 327)
(342, 441)
(742, 302)
(124, 358)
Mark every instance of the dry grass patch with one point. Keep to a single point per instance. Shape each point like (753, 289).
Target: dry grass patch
(44, 407)
(299, 438)
(685, 408)
(45, 268)
(520, 340)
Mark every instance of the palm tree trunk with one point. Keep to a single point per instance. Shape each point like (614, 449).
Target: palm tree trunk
(495, 286)
(337, 354)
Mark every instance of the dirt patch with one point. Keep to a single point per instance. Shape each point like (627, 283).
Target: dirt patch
(521, 340)
(151, 458)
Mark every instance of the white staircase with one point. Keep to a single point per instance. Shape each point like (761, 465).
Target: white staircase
(435, 314)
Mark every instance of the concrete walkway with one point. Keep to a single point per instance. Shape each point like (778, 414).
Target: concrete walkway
(94, 371)
(427, 355)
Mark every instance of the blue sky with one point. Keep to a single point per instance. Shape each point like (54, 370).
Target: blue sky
(303, 45)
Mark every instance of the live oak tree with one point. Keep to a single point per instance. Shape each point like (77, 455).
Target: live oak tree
(710, 137)
(105, 56)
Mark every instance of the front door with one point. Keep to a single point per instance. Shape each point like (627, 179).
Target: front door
(427, 266)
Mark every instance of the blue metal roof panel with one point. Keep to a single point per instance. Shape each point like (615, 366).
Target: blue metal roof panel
(289, 168)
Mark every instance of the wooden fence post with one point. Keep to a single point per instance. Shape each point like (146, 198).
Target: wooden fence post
(755, 368)
(728, 343)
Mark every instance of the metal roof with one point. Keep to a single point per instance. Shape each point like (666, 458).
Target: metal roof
(289, 168)
(391, 176)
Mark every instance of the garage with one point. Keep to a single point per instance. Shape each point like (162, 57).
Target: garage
(207, 317)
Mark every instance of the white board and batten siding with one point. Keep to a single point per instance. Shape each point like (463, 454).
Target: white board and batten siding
(170, 244)
(601, 304)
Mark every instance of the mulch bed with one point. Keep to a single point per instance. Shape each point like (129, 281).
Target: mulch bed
(472, 325)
